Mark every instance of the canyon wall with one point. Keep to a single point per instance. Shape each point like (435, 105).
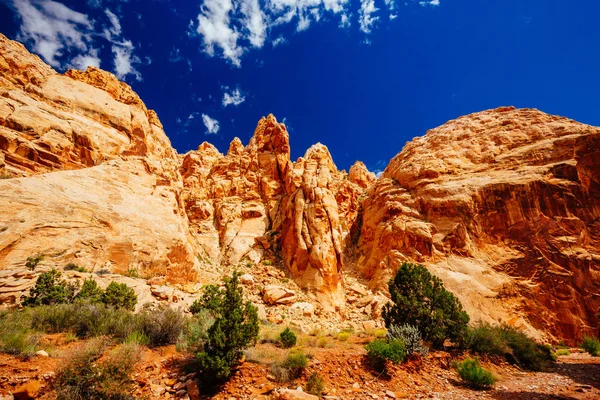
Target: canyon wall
(503, 205)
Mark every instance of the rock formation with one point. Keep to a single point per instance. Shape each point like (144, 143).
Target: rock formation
(503, 205)
(88, 154)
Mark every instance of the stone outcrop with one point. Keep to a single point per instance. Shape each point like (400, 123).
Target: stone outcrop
(255, 200)
(502, 204)
(99, 183)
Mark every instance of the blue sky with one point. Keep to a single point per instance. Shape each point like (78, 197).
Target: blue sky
(360, 76)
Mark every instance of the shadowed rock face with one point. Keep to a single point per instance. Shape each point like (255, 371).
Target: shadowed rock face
(503, 205)
(514, 190)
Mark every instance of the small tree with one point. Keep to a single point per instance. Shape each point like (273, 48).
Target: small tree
(235, 328)
(120, 295)
(420, 299)
(50, 289)
(90, 291)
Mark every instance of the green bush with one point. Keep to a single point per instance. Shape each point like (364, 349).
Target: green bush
(74, 267)
(120, 295)
(420, 299)
(315, 385)
(235, 329)
(380, 351)
(510, 343)
(526, 352)
(90, 292)
(295, 364)
(591, 345)
(287, 338)
(33, 261)
(197, 307)
(89, 375)
(138, 338)
(50, 289)
(474, 374)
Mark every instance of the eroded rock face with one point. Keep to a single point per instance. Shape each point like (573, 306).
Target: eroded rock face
(502, 203)
(255, 199)
(99, 182)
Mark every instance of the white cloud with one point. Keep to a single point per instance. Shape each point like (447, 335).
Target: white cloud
(279, 41)
(115, 29)
(214, 27)
(430, 3)
(124, 60)
(230, 27)
(212, 125)
(235, 97)
(53, 29)
(82, 61)
(365, 15)
(254, 22)
(65, 38)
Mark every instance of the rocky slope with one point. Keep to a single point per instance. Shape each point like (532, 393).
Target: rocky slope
(503, 205)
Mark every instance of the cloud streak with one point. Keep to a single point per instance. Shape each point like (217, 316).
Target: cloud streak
(66, 38)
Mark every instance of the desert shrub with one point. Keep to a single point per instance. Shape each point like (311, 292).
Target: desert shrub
(420, 299)
(85, 320)
(411, 337)
(53, 318)
(133, 273)
(485, 339)
(195, 332)
(33, 261)
(512, 344)
(474, 375)
(591, 345)
(562, 352)
(235, 328)
(526, 352)
(90, 291)
(162, 326)
(16, 336)
(343, 336)
(74, 267)
(380, 351)
(120, 295)
(88, 376)
(315, 384)
(295, 363)
(50, 289)
(287, 338)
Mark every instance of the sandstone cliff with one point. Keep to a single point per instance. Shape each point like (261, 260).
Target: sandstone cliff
(503, 205)
(89, 176)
